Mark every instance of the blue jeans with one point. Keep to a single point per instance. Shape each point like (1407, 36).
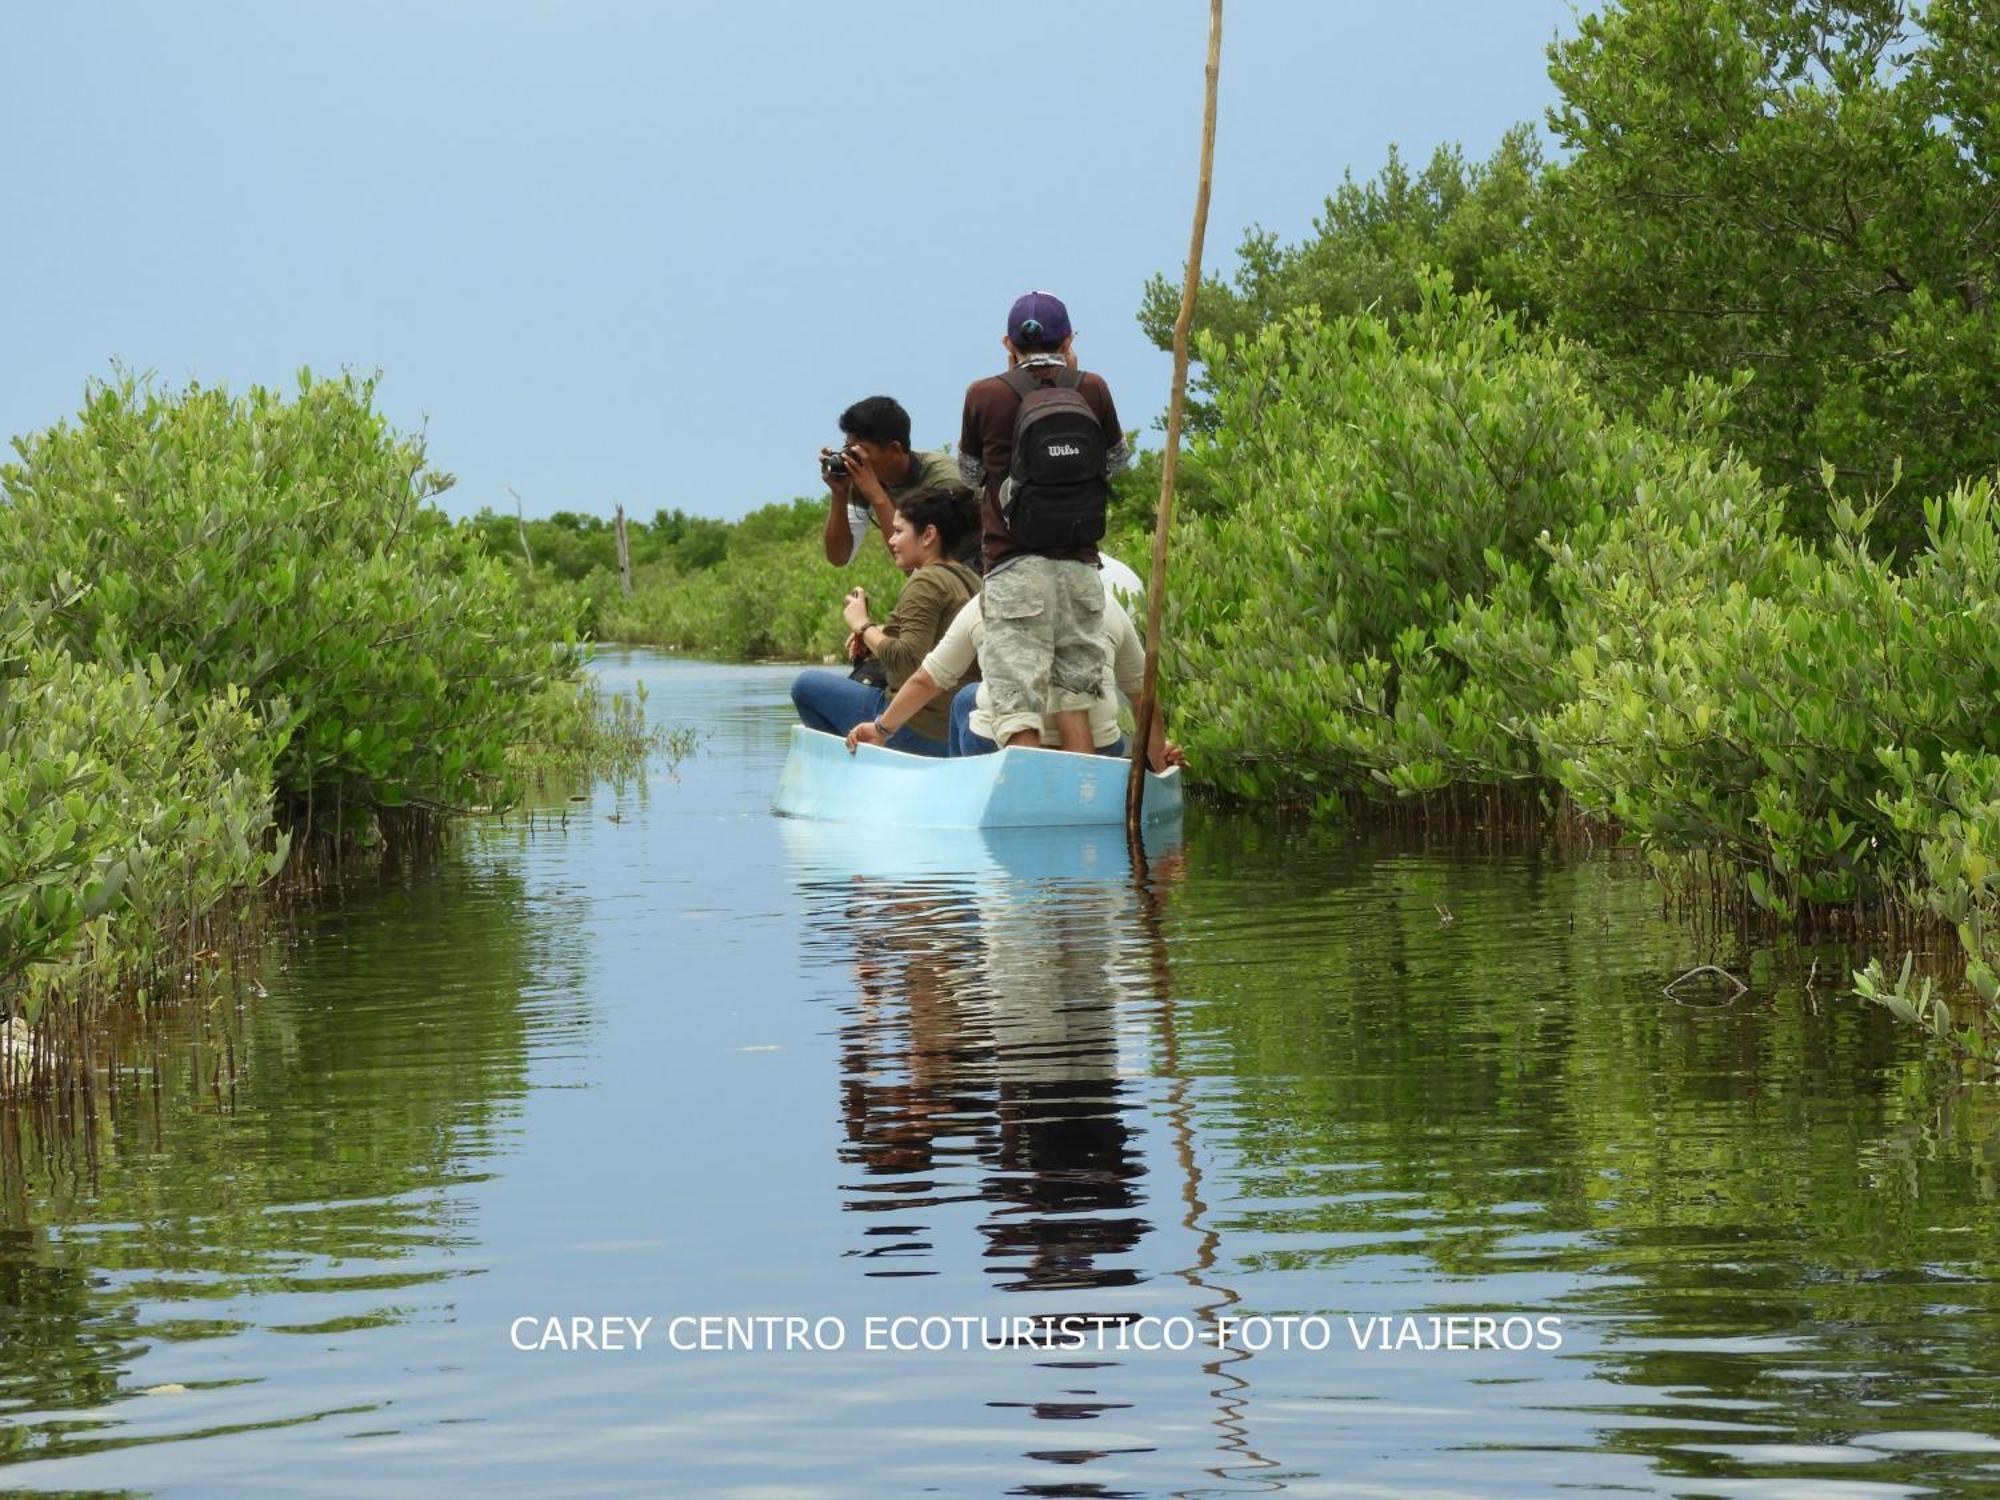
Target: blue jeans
(965, 742)
(835, 703)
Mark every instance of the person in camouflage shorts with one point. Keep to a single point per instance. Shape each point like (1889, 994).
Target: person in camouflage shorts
(1044, 648)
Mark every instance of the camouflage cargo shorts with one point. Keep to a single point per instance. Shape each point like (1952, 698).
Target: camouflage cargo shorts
(1044, 650)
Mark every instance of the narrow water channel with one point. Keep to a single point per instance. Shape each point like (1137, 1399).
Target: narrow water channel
(659, 1055)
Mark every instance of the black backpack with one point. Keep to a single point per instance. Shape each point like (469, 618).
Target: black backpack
(1057, 488)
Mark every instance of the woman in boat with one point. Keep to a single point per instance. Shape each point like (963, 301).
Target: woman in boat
(971, 724)
(929, 527)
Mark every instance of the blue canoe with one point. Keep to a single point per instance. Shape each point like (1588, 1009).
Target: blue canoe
(1008, 789)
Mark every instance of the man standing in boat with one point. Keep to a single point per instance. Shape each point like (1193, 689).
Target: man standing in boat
(872, 471)
(1042, 504)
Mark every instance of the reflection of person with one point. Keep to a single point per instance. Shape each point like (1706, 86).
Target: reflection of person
(1067, 1167)
(982, 1065)
(926, 527)
(912, 989)
(1044, 642)
(872, 471)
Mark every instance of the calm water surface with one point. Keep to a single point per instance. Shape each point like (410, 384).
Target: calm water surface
(672, 1056)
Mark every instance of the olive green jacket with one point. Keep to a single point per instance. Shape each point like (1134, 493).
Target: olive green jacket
(931, 597)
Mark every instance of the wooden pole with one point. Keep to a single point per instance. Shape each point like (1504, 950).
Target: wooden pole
(1148, 707)
(624, 550)
(521, 521)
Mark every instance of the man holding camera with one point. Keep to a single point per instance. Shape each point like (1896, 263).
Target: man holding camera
(872, 470)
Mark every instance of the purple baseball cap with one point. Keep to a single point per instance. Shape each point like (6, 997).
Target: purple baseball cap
(1038, 319)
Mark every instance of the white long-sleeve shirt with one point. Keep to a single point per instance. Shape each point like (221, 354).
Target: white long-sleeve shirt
(952, 657)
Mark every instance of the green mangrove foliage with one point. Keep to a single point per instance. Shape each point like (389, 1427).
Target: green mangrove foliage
(758, 588)
(286, 549)
(1802, 191)
(1799, 195)
(1374, 244)
(126, 813)
(567, 563)
(230, 621)
(574, 544)
(769, 594)
(1716, 565)
(1803, 716)
(1430, 563)
(1822, 722)
(1959, 809)
(1380, 500)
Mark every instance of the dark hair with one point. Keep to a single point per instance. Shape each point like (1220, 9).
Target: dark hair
(951, 511)
(877, 419)
(1037, 342)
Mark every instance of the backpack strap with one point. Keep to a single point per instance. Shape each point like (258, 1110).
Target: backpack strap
(969, 580)
(1021, 381)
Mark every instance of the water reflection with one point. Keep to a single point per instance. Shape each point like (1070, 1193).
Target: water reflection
(673, 1056)
(982, 1055)
(1013, 1004)
(1771, 1231)
(1427, 1086)
(321, 1193)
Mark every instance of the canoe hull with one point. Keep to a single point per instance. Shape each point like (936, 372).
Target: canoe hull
(1007, 789)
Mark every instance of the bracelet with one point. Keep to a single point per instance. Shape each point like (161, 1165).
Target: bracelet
(882, 729)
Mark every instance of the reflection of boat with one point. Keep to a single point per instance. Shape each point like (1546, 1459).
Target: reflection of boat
(992, 1052)
(1008, 789)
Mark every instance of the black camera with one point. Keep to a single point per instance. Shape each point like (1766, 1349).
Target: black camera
(834, 463)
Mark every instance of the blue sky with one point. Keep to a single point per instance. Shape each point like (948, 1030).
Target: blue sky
(647, 252)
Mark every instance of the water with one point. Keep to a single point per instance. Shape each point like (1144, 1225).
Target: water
(678, 1058)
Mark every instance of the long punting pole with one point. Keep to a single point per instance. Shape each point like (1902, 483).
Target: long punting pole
(1156, 589)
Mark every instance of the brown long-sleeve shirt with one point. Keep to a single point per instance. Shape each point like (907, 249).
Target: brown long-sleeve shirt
(986, 447)
(930, 599)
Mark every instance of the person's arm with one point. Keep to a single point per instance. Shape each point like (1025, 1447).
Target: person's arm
(971, 444)
(1128, 668)
(837, 539)
(1128, 653)
(868, 498)
(910, 700)
(901, 642)
(1118, 455)
(957, 649)
(1162, 752)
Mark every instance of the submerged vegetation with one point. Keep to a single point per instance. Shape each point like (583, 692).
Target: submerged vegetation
(580, 728)
(236, 625)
